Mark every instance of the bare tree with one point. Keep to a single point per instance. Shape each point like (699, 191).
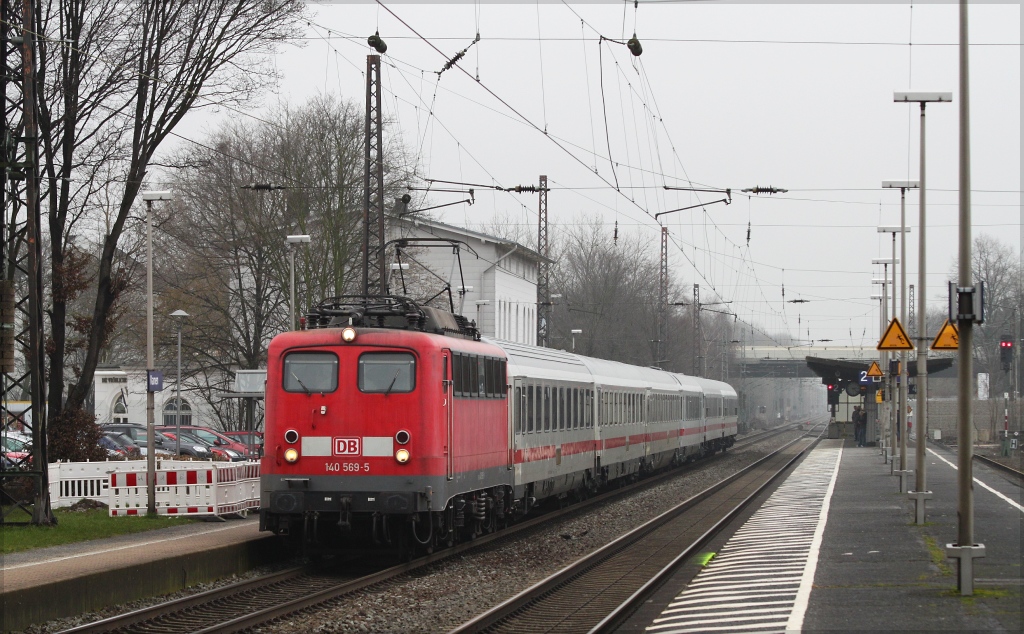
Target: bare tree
(610, 292)
(228, 264)
(114, 78)
(995, 263)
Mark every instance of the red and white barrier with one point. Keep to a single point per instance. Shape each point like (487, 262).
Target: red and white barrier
(188, 488)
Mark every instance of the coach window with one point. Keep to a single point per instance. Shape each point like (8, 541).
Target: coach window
(310, 372)
(518, 404)
(546, 408)
(529, 409)
(575, 408)
(387, 372)
(561, 408)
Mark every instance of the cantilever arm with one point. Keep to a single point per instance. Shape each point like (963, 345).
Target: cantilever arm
(727, 201)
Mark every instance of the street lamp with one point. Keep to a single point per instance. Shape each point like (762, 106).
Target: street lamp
(291, 241)
(575, 331)
(178, 315)
(920, 494)
(149, 197)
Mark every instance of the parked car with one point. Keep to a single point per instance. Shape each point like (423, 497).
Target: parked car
(214, 438)
(219, 453)
(252, 439)
(114, 450)
(164, 445)
(132, 449)
(17, 448)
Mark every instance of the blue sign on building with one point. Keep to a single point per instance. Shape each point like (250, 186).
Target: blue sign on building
(154, 381)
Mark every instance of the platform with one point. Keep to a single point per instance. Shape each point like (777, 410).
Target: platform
(48, 583)
(835, 547)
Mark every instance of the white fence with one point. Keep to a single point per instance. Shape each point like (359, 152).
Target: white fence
(183, 487)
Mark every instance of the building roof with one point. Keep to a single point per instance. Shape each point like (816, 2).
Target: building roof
(434, 226)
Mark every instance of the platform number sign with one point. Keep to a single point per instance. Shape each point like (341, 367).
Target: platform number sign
(346, 446)
(154, 381)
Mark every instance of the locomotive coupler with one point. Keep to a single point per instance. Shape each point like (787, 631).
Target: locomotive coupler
(345, 519)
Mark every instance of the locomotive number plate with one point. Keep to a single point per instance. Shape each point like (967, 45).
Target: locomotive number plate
(347, 467)
(346, 447)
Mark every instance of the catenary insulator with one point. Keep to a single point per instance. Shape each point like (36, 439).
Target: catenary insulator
(634, 46)
(377, 43)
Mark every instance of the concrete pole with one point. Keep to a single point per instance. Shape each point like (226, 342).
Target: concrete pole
(903, 318)
(883, 432)
(150, 405)
(891, 391)
(965, 550)
(884, 357)
(920, 466)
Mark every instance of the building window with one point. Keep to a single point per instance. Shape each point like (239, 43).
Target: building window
(171, 409)
(120, 411)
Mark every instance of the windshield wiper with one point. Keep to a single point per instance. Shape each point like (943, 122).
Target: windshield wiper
(301, 383)
(388, 391)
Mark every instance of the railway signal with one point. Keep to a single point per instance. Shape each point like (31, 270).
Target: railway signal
(1006, 352)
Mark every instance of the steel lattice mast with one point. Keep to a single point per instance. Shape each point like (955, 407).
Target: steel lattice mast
(374, 281)
(698, 336)
(20, 241)
(659, 345)
(544, 268)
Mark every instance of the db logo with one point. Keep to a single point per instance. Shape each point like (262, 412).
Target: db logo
(346, 446)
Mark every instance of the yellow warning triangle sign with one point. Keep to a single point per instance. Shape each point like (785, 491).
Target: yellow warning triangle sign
(874, 370)
(895, 338)
(947, 339)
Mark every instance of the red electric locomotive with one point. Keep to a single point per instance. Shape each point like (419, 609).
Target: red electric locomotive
(392, 423)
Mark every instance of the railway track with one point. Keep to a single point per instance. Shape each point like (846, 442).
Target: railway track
(598, 591)
(248, 604)
(995, 464)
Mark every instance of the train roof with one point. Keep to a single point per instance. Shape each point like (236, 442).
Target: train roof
(559, 365)
(710, 386)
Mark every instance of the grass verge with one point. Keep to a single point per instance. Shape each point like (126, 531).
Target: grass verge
(79, 526)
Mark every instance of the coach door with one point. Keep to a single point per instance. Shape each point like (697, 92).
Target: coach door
(448, 408)
(516, 409)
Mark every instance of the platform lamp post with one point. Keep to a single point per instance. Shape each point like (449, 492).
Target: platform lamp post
(574, 332)
(920, 492)
(154, 382)
(891, 390)
(883, 356)
(179, 316)
(291, 241)
(881, 330)
(901, 417)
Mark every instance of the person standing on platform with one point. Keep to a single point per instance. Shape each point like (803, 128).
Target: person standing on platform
(859, 425)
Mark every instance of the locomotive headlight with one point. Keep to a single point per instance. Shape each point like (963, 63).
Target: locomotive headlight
(291, 454)
(402, 455)
(348, 334)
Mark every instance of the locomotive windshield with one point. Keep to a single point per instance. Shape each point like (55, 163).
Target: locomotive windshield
(310, 372)
(387, 372)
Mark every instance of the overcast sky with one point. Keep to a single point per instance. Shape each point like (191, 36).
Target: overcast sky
(724, 96)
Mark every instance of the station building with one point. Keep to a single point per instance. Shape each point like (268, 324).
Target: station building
(499, 277)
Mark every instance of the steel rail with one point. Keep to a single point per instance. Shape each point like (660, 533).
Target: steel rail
(153, 611)
(519, 604)
(192, 603)
(989, 462)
